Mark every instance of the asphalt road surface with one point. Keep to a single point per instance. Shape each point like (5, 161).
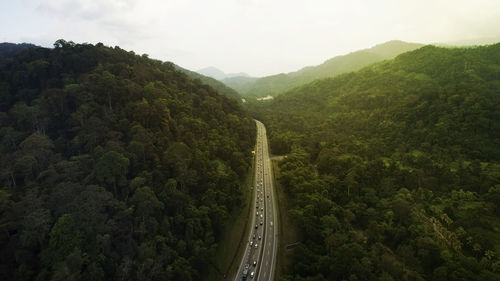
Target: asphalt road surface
(260, 253)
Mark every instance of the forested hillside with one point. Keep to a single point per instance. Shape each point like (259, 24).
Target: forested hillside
(280, 83)
(7, 50)
(113, 166)
(217, 85)
(394, 170)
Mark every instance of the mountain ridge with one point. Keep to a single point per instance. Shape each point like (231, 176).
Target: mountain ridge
(381, 159)
(218, 74)
(280, 83)
(114, 166)
(212, 82)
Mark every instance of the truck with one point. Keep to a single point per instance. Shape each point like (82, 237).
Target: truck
(245, 272)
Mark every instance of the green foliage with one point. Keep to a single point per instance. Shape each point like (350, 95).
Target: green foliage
(217, 85)
(281, 83)
(63, 238)
(393, 170)
(112, 169)
(113, 166)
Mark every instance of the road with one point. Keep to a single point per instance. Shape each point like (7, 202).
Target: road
(264, 231)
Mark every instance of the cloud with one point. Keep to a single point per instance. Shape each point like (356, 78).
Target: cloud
(256, 36)
(84, 9)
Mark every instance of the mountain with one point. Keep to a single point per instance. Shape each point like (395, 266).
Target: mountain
(8, 50)
(219, 74)
(219, 86)
(237, 82)
(393, 171)
(277, 84)
(114, 166)
(212, 72)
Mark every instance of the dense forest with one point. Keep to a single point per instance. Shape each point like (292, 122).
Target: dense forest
(393, 171)
(280, 83)
(113, 166)
(8, 50)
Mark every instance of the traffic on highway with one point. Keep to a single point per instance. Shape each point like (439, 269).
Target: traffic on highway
(258, 261)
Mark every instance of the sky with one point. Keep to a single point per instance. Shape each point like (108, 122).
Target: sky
(258, 37)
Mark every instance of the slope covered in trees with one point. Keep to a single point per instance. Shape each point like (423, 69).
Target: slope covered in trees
(8, 50)
(113, 166)
(217, 85)
(277, 84)
(394, 170)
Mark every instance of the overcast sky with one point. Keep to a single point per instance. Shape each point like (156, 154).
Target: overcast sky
(254, 36)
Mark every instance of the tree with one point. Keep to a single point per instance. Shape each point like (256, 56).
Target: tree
(111, 169)
(146, 202)
(64, 237)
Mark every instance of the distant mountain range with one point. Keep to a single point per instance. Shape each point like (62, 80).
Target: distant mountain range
(219, 74)
(279, 83)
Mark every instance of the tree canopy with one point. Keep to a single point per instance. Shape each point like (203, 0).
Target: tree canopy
(393, 170)
(107, 161)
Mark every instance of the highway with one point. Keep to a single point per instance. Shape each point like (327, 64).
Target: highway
(259, 259)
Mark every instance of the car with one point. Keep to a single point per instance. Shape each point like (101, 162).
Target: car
(261, 222)
(260, 237)
(254, 236)
(254, 263)
(262, 209)
(256, 226)
(252, 274)
(256, 245)
(251, 243)
(261, 216)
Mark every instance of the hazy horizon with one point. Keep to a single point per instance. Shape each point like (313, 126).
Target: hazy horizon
(256, 37)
